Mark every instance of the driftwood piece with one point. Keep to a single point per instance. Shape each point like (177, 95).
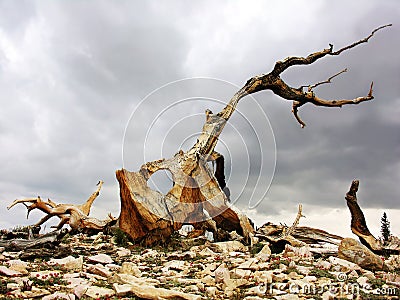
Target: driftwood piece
(75, 215)
(197, 194)
(279, 235)
(51, 238)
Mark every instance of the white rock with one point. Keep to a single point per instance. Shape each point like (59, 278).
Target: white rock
(178, 265)
(101, 258)
(256, 290)
(113, 267)
(35, 293)
(328, 295)
(98, 292)
(80, 290)
(229, 246)
(344, 263)
(253, 298)
(280, 277)
(211, 291)
(149, 253)
(264, 254)
(18, 265)
(8, 272)
(236, 254)
(303, 252)
(222, 274)
(98, 270)
(310, 278)
(304, 270)
(69, 262)
(239, 273)
(362, 280)
(208, 280)
(12, 286)
(123, 252)
(122, 289)
(263, 276)
(323, 264)
(353, 274)
(130, 268)
(207, 252)
(250, 264)
(59, 295)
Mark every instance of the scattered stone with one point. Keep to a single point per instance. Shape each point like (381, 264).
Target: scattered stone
(96, 292)
(101, 258)
(211, 291)
(123, 252)
(302, 252)
(224, 270)
(229, 246)
(130, 268)
(9, 272)
(69, 262)
(207, 252)
(347, 265)
(98, 270)
(323, 264)
(59, 295)
(355, 252)
(19, 266)
(177, 265)
(250, 264)
(222, 274)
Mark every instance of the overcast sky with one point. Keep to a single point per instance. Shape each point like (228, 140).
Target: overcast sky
(73, 75)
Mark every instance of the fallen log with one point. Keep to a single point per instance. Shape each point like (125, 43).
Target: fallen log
(75, 215)
(280, 235)
(52, 238)
(197, 195)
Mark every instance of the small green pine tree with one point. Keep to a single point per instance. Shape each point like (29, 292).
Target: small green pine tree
(385, 227)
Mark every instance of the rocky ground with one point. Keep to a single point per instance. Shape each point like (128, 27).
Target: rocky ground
(95, 267)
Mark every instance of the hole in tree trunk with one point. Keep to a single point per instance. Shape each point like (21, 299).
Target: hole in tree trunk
(161, 181)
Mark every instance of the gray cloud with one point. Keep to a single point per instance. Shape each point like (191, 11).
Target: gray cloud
(71, 73)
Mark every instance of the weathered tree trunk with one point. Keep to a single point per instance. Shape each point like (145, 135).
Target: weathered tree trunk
(52, 238)
(76, 216)
(359, 225)
(197, 195)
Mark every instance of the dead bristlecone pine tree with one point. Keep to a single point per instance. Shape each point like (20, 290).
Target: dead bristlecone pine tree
(197, 196)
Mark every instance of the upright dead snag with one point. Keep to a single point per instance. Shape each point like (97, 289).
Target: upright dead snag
(358, 224)
(197, 195)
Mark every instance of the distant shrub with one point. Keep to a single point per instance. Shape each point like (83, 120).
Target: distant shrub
(120, 237)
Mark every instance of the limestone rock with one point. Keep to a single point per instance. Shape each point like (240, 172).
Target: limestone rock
(355, 252)
(264, 254)
(101, 258)
(130, 268)
(229, 246)
(69, 262)
(9, 272)
(96, 292)
(222, 274)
